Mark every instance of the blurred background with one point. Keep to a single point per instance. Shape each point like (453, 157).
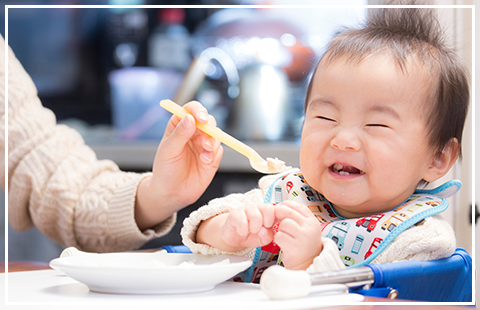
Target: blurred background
(103, 71)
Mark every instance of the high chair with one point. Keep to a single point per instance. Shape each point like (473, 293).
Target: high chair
(443, 280)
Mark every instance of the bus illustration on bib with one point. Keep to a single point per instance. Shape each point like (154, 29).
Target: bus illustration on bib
(394, 221)
(338, 232)
(376, 242)
(369, 222)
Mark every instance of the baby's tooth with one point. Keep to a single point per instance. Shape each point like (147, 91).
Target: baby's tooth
(337, 167)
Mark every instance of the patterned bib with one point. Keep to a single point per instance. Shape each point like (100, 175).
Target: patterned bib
(359, 240)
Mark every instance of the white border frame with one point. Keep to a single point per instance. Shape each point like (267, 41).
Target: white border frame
(472, 103)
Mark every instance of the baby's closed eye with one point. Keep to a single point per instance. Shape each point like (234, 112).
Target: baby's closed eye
(326, 118)
(378, 125)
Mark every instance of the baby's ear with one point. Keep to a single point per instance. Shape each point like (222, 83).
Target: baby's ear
(443, 161)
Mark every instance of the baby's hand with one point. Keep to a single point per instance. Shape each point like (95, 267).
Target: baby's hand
(299, 235)
(249, 226)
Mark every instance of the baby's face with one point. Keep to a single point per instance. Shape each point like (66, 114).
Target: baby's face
(364, 141)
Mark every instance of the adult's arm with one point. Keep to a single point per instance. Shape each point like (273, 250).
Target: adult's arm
(55, 181)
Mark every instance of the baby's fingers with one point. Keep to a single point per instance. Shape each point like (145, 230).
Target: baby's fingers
(255, 219)
(247, 220)
(286, 233)
(268, 214)
(265, 235)
(283, 211)
(237, 220)
(300, 208)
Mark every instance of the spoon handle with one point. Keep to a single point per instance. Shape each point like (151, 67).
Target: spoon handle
(210, 130)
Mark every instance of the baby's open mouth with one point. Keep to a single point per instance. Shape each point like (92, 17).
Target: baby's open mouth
(345, 170)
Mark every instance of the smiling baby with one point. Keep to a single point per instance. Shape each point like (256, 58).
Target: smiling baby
(384, 115)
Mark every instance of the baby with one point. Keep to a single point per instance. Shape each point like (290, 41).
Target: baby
(384, 114)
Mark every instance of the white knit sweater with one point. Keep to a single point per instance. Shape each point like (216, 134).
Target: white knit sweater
(432, 239)
(55, 181)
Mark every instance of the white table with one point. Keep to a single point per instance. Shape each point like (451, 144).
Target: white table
(51, 289)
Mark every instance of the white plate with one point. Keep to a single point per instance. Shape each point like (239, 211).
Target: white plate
(151, 273)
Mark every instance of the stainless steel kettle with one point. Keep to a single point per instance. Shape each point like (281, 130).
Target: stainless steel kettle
(262, 109)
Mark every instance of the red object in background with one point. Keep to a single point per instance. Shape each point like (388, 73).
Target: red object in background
(171, 16)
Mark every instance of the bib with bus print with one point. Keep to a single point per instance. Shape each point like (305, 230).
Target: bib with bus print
(359, 240)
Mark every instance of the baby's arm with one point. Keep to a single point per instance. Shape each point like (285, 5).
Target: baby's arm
(209, 233)
(328, 259)
(214, 208)
(244, 227)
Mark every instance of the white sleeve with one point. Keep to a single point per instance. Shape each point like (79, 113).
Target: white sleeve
(328, 260)
(220, 206)
(213, 208)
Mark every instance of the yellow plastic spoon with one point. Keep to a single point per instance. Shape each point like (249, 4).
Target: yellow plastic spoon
(256, 161)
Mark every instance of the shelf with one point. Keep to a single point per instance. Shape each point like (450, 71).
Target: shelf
(140, 155)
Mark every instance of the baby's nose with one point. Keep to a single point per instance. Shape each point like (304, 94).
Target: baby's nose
(346, 140)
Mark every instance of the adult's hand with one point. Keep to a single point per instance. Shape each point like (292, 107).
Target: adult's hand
(185, 164)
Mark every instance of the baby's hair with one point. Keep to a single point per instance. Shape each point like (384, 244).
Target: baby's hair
(412, 34)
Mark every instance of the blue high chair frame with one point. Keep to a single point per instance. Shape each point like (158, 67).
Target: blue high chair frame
(443, 280)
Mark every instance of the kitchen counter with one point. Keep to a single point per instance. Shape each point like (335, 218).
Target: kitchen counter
(139, 155)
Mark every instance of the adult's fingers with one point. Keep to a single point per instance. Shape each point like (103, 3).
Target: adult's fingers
(181, 134)
(199, 112)
(212, 159)
(208, 143)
